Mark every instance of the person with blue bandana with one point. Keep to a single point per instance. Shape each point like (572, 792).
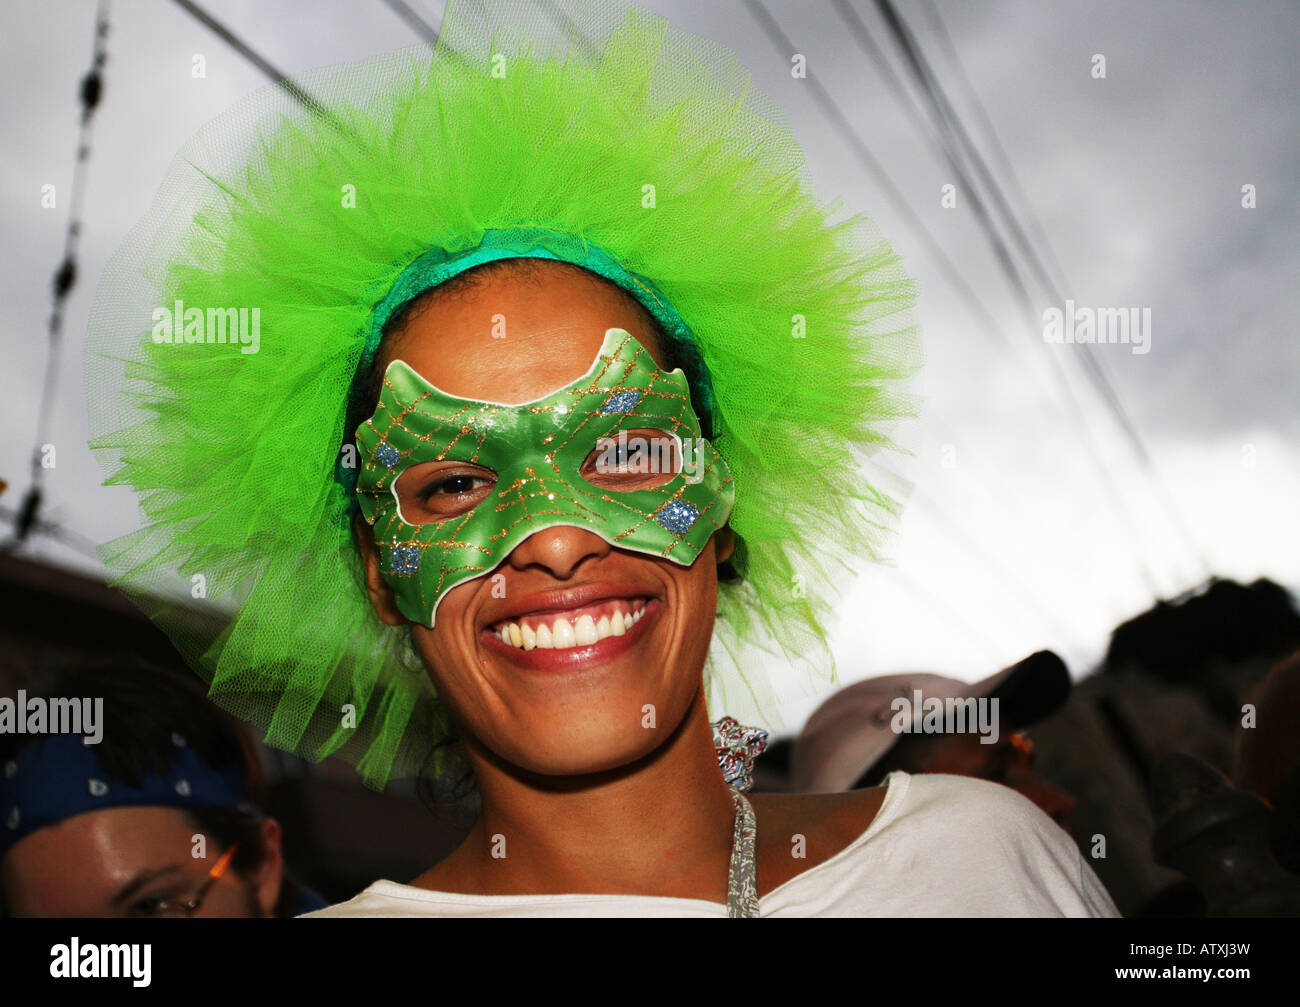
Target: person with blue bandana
(156, 812)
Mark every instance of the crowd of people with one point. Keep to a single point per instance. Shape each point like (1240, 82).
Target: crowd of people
(160, 807)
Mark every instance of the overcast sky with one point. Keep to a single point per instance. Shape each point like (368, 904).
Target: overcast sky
(1014, 539)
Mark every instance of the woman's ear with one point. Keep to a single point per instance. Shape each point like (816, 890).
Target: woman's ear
(381, 595)
(724, 543)
(270, 872)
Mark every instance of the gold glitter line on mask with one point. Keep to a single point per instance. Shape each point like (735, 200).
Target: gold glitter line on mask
(521, 500)
(669, 498)
(440, 431)
(604, 394)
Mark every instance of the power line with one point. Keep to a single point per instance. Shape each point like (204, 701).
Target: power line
(953, 155)
(298, 93)
(877, 58)
(52, 529)
(27, 516)
(949, 123)
(1040, 235)
(412, 19)
(65, 277)
(904, 208)
(938, 144)
(991, 137)
(874, 168)
(955, 138)
(956, 143)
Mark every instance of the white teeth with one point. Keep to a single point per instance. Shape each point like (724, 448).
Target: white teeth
(562, 634)
(562, 631)
(585, 631)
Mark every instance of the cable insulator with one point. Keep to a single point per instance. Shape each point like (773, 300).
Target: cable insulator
(92, 86)
(27, 514)
(64, 278)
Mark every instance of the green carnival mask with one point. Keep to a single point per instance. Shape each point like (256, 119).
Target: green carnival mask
(537, 451)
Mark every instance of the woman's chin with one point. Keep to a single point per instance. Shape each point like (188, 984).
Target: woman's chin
(590, 751)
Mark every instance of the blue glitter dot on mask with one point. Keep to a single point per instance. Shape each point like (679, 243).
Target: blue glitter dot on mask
(387, 455)
(677, 516)
(406, 560)
(621, 402)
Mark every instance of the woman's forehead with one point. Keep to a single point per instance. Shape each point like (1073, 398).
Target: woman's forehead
(513, 337)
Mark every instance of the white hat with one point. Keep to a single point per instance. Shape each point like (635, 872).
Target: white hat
(851, 731)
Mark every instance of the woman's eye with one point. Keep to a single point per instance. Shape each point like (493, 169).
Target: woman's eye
(633, 459)
(432, 492)
(453, 486)
(148, 907)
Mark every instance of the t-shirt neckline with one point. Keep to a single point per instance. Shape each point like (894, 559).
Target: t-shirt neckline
(895, 793)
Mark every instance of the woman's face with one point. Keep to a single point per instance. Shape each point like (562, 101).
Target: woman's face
(558, 710)
(124, 861)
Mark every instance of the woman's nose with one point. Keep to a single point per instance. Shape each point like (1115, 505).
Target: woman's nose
(558, 550)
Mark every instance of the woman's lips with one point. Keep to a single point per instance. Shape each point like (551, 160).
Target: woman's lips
(584, 635)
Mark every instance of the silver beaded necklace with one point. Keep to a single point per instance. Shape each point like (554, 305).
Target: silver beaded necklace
(742, 875)
(737, 747)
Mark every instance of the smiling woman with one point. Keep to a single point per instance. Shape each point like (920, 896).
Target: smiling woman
(560, 416)
(595, 602)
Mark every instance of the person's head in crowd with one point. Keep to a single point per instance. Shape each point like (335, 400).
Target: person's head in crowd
(868, 730)
(161, 816)
(1268, 755)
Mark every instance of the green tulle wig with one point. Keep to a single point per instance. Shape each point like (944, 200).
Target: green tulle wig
(584, 132)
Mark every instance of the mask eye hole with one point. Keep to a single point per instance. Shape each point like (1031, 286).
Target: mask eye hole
(438, 491)
(640, 458)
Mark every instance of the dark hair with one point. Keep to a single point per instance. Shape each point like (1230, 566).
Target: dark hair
(904, 754)
(151, 703)
(143, 706)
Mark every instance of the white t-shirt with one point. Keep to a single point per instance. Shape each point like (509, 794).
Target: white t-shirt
(938, 846)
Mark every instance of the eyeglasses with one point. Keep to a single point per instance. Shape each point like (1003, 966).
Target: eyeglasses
(176, 909)
(1023, 744)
